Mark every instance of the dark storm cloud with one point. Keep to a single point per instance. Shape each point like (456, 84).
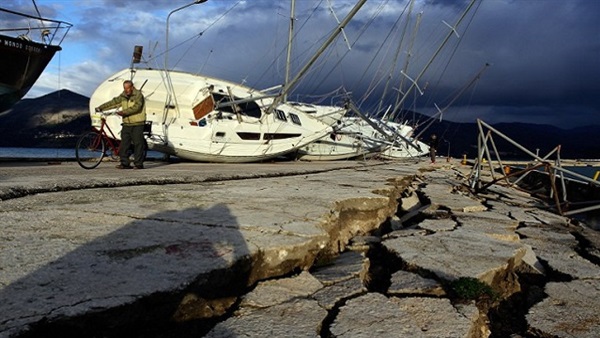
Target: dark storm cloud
(544, 57)
(544, 54)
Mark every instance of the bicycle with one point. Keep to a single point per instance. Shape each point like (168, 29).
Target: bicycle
(93, 146)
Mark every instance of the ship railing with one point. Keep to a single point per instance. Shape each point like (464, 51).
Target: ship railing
(50, 30)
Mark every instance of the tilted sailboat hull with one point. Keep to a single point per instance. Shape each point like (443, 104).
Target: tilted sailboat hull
(201, 121)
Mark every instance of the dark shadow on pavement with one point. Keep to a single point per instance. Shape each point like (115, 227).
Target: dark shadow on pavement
(171, 274)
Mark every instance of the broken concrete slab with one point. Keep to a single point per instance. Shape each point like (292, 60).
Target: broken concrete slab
(435, 225)
(332, 295)
(570, 310)
(499, 228)
(410, 202)
(547, 217)
(490, 216)
(374, 315)
(273, 292)
(459, 253)
(297, 318)
(404, 282)
(275, 236)
(515, 197)
(110, 248)
(558, 251)
(441, 195)
(346, 266)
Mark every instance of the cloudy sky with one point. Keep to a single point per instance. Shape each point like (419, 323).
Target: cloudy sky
(543, 55)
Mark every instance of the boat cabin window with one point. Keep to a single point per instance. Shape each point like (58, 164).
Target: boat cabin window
(249, 108)
(295, 118)
(249, 136)
(280, 115)
(280, 136)
(307, 108)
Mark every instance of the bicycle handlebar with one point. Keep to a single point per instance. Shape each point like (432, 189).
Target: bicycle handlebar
(108, 112)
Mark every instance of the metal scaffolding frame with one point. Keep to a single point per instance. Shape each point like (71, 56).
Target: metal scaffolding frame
(552, 166)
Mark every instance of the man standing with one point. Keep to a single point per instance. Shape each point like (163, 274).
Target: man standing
(433, 145)
(133, 111)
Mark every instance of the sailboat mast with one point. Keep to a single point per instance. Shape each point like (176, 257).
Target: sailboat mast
(289, 46)
(288, 86)
(38, 12)
(452, 31)
(395, 62)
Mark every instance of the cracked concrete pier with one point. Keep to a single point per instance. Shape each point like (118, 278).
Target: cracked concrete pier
(285, 249)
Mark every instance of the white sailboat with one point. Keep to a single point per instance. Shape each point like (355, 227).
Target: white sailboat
(391, 140)
(207, 119)
(208, 125)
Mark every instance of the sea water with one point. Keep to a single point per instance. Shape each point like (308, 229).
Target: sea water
(47, 153)
(34, 153)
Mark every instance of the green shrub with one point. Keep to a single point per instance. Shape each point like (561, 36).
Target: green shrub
(471, 288)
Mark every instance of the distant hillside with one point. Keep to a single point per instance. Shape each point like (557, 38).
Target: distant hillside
(53, 120)
(57, 119)
(582, 142)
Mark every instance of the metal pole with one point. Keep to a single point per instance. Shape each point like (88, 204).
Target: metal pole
(553, 187)
(170, 89)
(510, 141)
(499, 159)
(485, 148)
(562, 176)
(544, 158)
(452, 31)
(288, 86)
(572, 212)
(289, 49)
(167, 30)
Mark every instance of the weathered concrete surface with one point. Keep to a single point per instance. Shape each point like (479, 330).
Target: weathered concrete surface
(90, 250)
(444, 194)
(460, 253)
(494, 238)
(273, 292)
(571, 310)
(347, 265)
(180, 242)
(374, 315)
(404, 282)
(299, 318)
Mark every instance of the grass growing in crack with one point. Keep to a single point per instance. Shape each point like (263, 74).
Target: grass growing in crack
(470, 288)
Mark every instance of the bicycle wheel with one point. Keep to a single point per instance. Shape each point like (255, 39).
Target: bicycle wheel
(90, 150)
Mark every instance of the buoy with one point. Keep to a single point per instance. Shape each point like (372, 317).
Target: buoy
(464, 160)
(507, 169)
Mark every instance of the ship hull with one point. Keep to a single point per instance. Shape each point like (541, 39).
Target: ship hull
(22, 62)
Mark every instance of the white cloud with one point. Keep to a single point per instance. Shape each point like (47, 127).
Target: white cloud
(81, 78)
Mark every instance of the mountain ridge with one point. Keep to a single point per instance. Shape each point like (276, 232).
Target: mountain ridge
(56, 120)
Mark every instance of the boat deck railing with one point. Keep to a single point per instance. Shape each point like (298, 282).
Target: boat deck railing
(52, 32)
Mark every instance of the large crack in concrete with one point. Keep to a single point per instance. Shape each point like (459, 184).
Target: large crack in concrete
(396, 288)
